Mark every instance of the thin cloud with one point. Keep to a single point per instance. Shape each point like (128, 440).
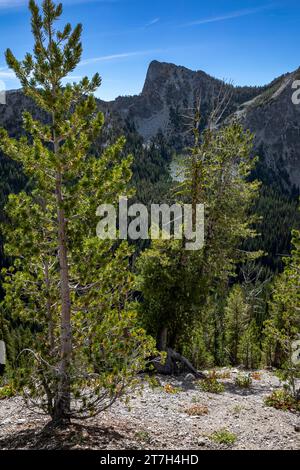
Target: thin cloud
(123, 55)
(6, 74)
(134, 30)
(229, 16)
(152, 22)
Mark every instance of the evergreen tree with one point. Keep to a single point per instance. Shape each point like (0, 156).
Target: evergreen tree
(283, 327)
(177, 284)
(236, 321)
(278, 215)
(74, 286)
(249, 351)
(169, 283)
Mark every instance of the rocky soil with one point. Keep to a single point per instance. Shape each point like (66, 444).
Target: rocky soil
(158, 419)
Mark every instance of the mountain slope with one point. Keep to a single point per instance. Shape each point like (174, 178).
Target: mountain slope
(170, 93)
(275, 121)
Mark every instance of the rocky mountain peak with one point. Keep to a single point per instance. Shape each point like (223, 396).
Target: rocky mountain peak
(170, 92)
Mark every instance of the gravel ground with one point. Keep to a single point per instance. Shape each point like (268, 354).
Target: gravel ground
(158, 420)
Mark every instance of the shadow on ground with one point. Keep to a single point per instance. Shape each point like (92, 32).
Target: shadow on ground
(254, 389)
(76, 436)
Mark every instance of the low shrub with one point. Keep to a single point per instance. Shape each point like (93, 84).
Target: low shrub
(168, 388)
(219, 374)
(196, 410)
(243, 380)
(7, 391)
(143, 436)
(224, 374)
(237, 409)
(211, 385)
(256, 375)
(223, 436)
(282, 400)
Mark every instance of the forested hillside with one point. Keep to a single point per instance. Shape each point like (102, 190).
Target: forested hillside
(84, 319)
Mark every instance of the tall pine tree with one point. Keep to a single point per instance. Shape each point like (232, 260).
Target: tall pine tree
(75, 287)
(282, 329)
(215, 173)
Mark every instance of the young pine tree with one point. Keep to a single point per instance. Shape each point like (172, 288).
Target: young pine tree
(170, 286)
(236, 320)
(86, 347)
(282, 330)
(249, 351)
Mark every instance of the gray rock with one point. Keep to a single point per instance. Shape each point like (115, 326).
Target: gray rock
(170, 90)
(189, 378)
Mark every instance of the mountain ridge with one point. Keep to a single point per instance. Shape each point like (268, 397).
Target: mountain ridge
(169, 94)
(267, 111)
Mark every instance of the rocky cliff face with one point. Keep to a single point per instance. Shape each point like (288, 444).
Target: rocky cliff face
(11, 112)
(170, 93)
(275, 121)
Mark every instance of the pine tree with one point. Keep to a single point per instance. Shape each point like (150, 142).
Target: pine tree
(236, 321)
(283, 327)
(215, 174)
(74, 286)
(170, 286)
(249, 351)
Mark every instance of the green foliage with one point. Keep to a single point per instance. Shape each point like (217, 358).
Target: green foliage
(237, 409)
(143, 436)
(151, 177)
(282, 400)
(283, 327)
(7, 391)
(211, 384)
(177, 284)
(223, 436)
(243, 380)
(278, 215)
(169, 283)
(196, 349)
(236, 320)
(60, 179)
(216, 175)
(74, 287)
(241, 331)
(249, 351)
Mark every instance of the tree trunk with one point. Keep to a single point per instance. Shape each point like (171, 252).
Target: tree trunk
(162, 339)
(2, 357)
(49, 310)
(175, 362)
(62, 403)
(278, 356)
(171, 367)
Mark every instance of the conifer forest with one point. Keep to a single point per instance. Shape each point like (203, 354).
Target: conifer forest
(149, 244)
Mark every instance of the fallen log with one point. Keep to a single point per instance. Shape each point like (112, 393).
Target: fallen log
(174, 364)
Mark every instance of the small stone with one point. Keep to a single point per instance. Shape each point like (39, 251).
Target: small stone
(297, 427)
(189, 378)
(201, 442)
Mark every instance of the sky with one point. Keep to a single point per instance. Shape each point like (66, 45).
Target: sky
(246, 42)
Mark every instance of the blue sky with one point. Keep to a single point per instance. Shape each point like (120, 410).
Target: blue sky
(248, 42)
